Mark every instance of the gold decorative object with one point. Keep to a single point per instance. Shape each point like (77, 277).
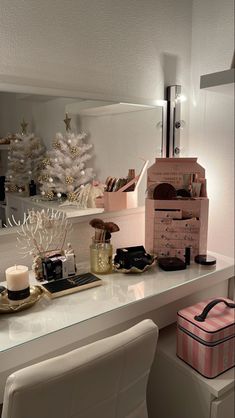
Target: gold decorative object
(101, 257)
(12, 188)
(24, 126)
(46, 162)
(75, 151)
(56, 144)
(72, 197)
(49, 195)
(69, 180)
(36, 292)
(67, 122)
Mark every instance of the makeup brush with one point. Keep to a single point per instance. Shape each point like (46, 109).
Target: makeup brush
(99, 226)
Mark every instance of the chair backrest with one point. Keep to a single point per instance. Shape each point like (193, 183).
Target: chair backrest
(105, 379)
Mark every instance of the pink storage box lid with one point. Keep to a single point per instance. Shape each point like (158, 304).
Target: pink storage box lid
(218, 324)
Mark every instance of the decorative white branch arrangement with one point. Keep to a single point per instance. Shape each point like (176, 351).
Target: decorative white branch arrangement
(42, 232)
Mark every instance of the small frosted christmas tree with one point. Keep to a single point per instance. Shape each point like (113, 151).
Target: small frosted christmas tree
(24, 160)
(64, 168)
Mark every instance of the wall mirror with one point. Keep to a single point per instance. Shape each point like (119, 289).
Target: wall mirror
(123, 132)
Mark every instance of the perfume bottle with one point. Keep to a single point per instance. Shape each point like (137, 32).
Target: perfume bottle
(32, 188)
(101, 257)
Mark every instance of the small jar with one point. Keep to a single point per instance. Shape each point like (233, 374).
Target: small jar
(101, 257)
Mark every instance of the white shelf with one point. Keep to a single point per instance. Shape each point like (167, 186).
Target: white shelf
(220, 82)
(101, 108)
(4, 147)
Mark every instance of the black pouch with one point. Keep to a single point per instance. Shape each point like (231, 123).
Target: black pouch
(129, 257)
(171, 263)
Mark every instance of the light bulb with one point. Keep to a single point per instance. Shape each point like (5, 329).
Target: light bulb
(16, 141)
(59, 195)
(69, 141)
(30, 172)
(20, 190)
(51, 180)
(22, 161)
(82, 173)
(6, 189)
(56, 160)
(43, 193)
(10, 176)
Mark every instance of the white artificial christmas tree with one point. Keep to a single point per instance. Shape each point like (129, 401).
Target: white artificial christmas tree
(24, 160)
(65, 171)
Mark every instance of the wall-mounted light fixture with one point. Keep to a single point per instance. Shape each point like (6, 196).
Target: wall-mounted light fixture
(174, 99)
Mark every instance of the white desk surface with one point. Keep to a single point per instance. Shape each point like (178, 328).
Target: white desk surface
(51, 327)
(120, 293)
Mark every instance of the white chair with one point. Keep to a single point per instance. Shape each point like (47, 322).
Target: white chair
(105, 379)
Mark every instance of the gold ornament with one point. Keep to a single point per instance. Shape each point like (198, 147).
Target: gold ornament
(56, 144)
(49, 195)
(69, 180)
(72, 197)
(45, 162)
(43, 178)
(67, 122)
(12, 188)
(75, 151)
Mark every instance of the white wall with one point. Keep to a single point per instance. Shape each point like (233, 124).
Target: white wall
(211, 135)
(108, 46)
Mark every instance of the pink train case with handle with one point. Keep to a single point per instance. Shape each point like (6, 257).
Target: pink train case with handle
(206, 336)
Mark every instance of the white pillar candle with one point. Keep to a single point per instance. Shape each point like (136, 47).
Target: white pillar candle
(17, 278)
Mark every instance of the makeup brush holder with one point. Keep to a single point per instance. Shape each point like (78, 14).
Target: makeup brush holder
(101, 257)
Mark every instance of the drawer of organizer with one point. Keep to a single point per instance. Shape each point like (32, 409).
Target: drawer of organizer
(166, 234)
(175, 252)
(177, 225)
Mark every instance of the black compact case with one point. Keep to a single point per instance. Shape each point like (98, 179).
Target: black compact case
(52, 268)
(129, 257)
(171, 263)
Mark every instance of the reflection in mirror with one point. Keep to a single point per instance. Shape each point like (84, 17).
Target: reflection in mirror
(122, 135)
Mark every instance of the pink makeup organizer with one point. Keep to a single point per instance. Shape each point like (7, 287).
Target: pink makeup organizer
(121, 199)
(174, 224)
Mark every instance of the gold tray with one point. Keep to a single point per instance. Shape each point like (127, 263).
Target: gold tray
(36, 293)
(135, 270)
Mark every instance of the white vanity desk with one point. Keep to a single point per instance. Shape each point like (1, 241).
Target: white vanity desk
(54, 326)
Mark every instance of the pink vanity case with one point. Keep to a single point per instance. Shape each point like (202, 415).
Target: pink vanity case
(206, 336)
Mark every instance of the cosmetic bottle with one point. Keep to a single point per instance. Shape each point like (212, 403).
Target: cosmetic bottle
(101, 257)
(32, 188)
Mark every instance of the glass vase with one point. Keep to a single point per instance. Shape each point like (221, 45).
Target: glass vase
(101, 257)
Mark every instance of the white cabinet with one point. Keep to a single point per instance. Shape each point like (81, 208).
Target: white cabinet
(175, 390)
(224, 406)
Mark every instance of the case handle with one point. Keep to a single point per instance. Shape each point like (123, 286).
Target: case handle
(209, 306)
